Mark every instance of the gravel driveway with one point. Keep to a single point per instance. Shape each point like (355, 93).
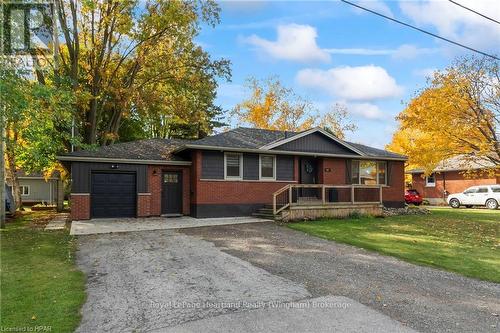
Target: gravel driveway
(426, 299)
(153, 279)
(159, 281)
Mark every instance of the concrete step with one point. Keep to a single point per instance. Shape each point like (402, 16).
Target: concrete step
(265, 216)
(265, 210)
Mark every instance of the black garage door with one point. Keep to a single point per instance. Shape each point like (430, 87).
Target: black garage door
(113, 195)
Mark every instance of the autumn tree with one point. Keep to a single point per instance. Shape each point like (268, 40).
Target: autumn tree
(129, 58)
(337, 121)
(271, 105)
(37, 124)
(457, 114)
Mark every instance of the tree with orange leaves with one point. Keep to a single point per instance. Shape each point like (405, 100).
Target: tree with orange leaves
(458, 114)
(274, 106)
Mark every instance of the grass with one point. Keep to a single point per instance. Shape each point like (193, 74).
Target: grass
(40, 284)
(464, 241)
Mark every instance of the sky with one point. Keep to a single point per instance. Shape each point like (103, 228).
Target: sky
(330, 52)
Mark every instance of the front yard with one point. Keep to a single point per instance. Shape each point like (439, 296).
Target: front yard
(40, 285)
(465, 241)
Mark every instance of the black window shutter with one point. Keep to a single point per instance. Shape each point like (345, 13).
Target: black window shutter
(348, 171)
(389, 173)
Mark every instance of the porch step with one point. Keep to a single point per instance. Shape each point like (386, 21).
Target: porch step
(267, 213)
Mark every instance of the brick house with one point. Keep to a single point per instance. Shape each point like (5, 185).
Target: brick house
(450, 177)
(233, 173)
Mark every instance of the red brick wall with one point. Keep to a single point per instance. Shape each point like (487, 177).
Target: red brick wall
(337, 176)
(143, 204)
(337, 173)
(233, 192)
(80, 206)
(396, 189)
(452, 181)
(258, 192)
(155, 187)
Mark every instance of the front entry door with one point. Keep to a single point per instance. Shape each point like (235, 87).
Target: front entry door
(308, 175)
(171, 196)
(308, 171)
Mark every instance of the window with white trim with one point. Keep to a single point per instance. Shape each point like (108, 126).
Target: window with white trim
(233, 166)
(430, 181)
(25, 190)
(267, 167)
(369, 173)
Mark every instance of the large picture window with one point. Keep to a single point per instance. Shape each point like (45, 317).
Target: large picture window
(233, 166)
(369, 173)
(267, 167)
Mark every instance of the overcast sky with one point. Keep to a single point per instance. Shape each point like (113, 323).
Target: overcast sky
(330, 52)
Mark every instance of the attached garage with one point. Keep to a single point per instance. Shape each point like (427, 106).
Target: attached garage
(113, 194)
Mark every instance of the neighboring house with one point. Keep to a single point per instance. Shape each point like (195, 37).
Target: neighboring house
(35, 188)
(229, 174)
(450, 177)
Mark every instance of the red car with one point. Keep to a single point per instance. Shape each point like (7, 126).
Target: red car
(413, 197)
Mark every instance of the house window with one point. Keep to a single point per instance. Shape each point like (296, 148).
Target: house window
(233, 166)
(25, 190)
(170, 178)
(382, 172)
(430, 181)
(369, 173)
(268, 167)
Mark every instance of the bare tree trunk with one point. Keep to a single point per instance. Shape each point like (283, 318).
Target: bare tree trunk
(2, 168)
(11, 172)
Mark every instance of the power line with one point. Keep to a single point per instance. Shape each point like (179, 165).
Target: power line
(421, 30)
(475, 12)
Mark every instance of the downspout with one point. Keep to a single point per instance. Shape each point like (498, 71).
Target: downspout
(444, 187)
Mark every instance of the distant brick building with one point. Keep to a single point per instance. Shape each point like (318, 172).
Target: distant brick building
(449, 177)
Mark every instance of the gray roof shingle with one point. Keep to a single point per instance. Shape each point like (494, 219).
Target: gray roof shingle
(148, 149)
(460, 163)
(375, 152)
(241, 137)
(244, 137)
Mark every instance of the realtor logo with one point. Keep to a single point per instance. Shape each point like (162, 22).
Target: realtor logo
(27, 31)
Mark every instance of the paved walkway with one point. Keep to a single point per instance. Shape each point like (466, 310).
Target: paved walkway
(58, 222)
(104, 226)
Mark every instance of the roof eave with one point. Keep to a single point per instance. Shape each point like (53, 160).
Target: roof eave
(288, 152)
(120, 160)
(417, 171)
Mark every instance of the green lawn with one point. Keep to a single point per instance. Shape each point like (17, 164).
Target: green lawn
(465, 241)
(40, 284)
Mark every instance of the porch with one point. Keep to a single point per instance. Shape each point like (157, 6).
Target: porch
(300, 201)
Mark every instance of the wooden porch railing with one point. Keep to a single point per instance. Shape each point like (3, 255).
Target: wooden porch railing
(325, 195)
